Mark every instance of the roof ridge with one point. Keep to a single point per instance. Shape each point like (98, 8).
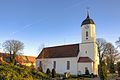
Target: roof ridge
(62, 45)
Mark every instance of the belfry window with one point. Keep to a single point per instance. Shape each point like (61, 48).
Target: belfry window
(86, 34)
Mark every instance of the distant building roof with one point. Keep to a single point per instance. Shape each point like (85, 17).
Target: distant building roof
(19, 58)
(25, 59)
(85, 59)
(60, 51)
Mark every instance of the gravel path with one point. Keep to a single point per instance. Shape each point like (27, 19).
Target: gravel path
(96, 78)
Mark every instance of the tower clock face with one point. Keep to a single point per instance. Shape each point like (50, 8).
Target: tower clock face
(87, 26)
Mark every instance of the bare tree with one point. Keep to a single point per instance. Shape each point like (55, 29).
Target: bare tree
(108, 53)
(111, 56)
(101, 44)
(111, 52)
(13, 47)
(118, 42)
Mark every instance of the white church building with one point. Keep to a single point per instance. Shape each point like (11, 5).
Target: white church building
(73, 58)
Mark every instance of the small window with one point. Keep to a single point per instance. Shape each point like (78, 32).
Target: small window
(40, 63)
(86, 34)
(86, 52)
(68, 65)
(54, 64)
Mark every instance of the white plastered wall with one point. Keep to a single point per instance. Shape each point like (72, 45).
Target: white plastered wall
(90, 50)
(91, 33)
(61, 64)
(82, 66)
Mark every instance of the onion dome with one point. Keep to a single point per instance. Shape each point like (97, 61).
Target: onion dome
(88, 20)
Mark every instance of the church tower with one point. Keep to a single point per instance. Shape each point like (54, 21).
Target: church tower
(88, 47)
(88, 30)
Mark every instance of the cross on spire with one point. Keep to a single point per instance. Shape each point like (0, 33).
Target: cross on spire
(87, 8)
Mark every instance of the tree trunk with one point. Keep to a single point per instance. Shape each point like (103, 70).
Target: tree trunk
(100, 66)
(13, 59)
(11, 56)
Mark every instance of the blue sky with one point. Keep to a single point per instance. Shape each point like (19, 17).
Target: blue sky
(56, 22)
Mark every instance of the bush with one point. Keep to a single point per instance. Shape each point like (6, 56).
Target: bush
(48, 71)
(14, 72)
(7, 73)
(112, 70)
(53, 73)
(104, 70)
(40, 69)
(118, 67)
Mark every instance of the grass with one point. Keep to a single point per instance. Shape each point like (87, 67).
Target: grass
(80, 79)
(112, 76)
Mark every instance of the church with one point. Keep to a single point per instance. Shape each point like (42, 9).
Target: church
(73, 58)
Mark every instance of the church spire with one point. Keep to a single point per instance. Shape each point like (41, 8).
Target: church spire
(88, 12)
(88, 20)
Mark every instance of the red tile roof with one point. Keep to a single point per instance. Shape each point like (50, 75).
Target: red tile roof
(85, 59)
(25, 59)
(19, 58)
(31, 59)
(60, 51)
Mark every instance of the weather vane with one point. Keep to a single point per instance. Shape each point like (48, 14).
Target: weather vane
(87, 8)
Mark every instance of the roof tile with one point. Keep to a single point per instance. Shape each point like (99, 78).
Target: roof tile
(85, 59)
(60, 51)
